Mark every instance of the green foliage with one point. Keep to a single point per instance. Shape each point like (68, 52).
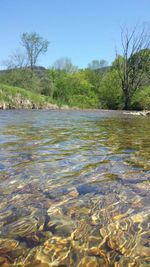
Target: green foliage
(46, 84)
(136, 71)
(136, 58)
(125, 84)
(110, 91)
(73, 89)
(140, 68)
(93, 77)
(119, 61)
(83, 101)
(141, 99)
(97, 86)
(30, 80)
(83, 89)
(34, 45)
(14, 95)
(24, 78)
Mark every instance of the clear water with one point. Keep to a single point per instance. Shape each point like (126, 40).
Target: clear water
(74, 189)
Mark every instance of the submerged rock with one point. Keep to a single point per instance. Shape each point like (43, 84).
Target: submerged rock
(91, 262)
(7, 245)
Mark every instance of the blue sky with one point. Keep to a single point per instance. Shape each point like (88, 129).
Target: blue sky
(82, 30)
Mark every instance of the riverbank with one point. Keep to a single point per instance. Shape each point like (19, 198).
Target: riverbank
(19, 98)
(12, 97)
(138, 113)
(27, 104)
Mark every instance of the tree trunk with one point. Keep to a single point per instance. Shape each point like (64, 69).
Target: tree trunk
(126, 99)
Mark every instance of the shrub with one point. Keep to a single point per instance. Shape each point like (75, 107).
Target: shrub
(141, 99)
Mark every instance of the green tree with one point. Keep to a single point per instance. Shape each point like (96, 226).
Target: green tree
(47, 84)
(94, 77)
(141, 99)
(34, 45)
(110, 91)
(73, 89)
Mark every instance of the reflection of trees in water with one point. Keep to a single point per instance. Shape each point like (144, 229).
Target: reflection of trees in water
(127, 137)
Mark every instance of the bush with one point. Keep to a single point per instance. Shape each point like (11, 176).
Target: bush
(110, 91)
(83, 101)
(141, 99)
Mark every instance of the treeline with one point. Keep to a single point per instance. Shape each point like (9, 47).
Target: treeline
(123, 85)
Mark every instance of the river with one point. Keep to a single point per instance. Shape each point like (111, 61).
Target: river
(74, 189)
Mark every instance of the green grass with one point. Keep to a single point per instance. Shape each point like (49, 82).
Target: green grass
(17, 97)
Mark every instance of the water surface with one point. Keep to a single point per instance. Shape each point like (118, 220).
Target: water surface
(74, 189)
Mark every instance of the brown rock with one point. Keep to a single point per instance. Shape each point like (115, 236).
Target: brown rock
(91, 262)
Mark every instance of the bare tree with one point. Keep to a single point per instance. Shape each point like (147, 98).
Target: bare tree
(135, 58)
(16, 59)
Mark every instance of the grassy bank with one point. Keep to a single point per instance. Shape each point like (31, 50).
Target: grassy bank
(16, 98)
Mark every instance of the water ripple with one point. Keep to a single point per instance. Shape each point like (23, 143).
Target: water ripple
(74, 189)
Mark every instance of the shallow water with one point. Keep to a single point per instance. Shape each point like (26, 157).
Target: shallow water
(74, 189)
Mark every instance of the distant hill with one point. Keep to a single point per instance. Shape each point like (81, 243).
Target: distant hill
(38, 69)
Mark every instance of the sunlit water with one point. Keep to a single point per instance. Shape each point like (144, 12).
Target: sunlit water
(74, 189)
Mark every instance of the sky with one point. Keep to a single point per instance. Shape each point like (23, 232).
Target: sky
(82, 30)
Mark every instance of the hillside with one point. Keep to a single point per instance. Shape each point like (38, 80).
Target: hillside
(14, 97)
